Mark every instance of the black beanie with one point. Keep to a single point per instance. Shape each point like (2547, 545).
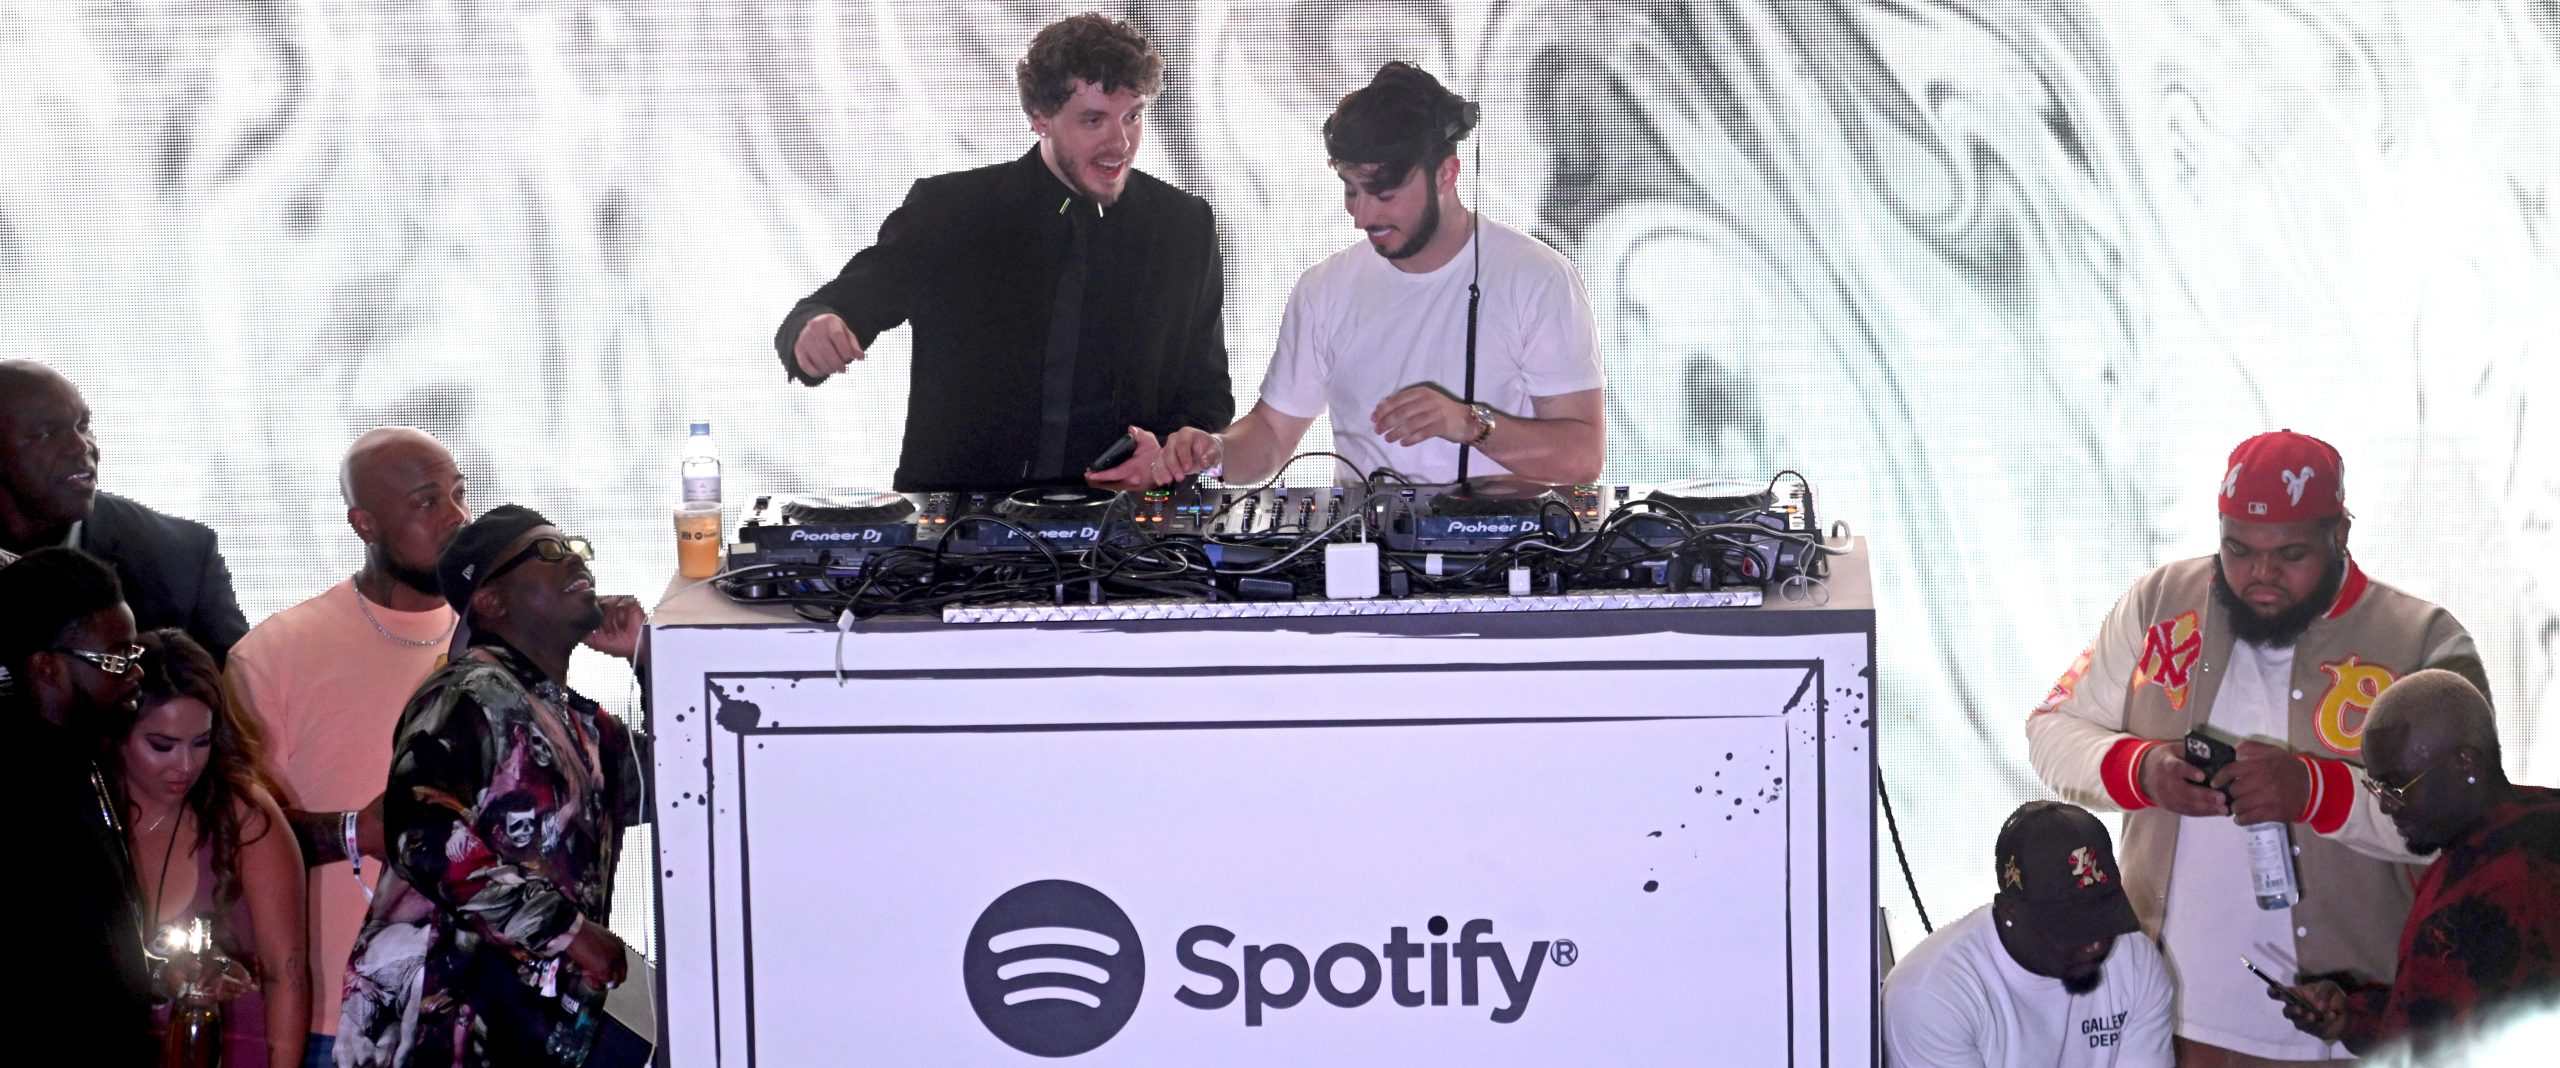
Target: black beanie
(475, 550)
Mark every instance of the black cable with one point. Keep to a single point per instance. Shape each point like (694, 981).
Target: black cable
(1475, 295)
(1904, 859)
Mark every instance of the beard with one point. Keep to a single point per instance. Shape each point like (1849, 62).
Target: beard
(2084, 982)
(2280, 629)
(1422, 233)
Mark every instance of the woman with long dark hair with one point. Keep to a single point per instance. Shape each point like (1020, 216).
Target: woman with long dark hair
(210, 842)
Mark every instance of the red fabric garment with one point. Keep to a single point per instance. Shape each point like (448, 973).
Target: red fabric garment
(2485, 926)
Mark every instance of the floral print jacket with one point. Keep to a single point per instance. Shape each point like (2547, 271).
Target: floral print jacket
(503, 817)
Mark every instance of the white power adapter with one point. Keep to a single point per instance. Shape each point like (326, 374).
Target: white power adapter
(1350, 570)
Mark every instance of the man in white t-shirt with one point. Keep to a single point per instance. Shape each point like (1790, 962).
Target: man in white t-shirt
(2055, 971)
(1377, 333)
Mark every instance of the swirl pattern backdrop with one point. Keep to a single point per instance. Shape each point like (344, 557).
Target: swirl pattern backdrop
(2007, 280)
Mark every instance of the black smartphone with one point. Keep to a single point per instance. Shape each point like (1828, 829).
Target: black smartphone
(2208, 752)
(2282, 991)
(1113, 456)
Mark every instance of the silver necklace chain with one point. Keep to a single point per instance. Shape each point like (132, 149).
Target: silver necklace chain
(378, 628)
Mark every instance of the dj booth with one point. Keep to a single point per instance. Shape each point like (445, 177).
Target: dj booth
(1616, 827)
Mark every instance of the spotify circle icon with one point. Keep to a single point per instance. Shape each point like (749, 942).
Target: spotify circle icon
(1053, 968)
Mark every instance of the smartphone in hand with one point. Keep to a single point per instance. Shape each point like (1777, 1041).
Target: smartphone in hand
(1116, 454)
(2287, 993)
(2208, 752)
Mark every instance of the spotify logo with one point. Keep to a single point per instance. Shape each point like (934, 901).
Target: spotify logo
(1053, 968)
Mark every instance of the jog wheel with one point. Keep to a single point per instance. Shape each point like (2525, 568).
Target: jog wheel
(1058, 502)
(852, 507)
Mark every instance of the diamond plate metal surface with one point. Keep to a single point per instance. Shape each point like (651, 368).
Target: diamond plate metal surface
(1410, 606)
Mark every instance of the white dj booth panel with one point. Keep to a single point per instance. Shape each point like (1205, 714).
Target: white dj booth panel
(1670, 807)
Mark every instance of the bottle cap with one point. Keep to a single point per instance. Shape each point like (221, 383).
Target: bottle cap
(702, 428)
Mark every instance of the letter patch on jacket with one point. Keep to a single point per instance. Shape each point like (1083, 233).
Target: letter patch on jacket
(2169, 653)
(2070, 682)
(2353, 687)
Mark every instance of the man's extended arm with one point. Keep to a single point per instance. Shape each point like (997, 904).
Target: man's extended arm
(875, 291)
(323, 835)
(1563, 443)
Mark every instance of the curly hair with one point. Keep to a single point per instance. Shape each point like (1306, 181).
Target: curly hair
(1403, 119)
(173, 667)
(1089, 47)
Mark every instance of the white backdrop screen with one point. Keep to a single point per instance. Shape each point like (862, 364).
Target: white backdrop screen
(2007, 280)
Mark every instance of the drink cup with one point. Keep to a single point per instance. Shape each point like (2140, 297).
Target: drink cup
(698, 539)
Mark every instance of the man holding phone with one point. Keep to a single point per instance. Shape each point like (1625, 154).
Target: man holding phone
(2054, 972)
(2280, 640)
(2486, 926)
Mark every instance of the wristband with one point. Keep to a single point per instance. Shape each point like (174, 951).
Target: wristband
(355, 854)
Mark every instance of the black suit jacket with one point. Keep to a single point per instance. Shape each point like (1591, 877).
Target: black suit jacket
(972, 261)
(171, 568)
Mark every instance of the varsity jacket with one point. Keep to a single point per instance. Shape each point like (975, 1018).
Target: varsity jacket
(2152, 675)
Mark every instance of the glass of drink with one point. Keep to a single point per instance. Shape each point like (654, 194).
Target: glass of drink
(698, 539)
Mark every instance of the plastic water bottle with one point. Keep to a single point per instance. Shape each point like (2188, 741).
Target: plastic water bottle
(2271, 866)
(701, 465)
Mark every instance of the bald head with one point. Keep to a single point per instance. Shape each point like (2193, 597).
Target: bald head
(382, 456)
(405, 498)
(48, 457)
(17, 376)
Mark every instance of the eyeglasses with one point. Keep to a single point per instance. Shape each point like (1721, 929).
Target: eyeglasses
(2398, 796)
(125, 663)
(551, 550)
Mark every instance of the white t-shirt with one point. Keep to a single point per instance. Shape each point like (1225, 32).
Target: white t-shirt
(2213, 918)
(1357, 331)
(1961, 999)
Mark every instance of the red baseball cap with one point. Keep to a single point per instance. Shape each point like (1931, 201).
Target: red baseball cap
(2284, 477)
